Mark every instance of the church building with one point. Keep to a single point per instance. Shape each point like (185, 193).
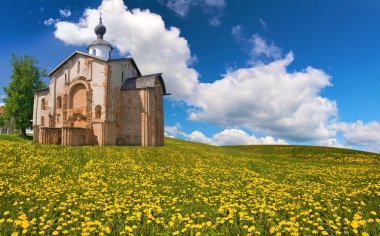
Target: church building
(93, 99)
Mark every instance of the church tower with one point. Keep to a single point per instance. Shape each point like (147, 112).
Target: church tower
(100, 47)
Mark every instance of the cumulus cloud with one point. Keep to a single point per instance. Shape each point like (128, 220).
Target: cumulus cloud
(197, 136)
(224, 138)
(173, 131)
(361, 134)
(268, 99)
(240, 137)
(64, 12)
(143, 35)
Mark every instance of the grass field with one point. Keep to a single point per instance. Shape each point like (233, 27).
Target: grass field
(187, 188)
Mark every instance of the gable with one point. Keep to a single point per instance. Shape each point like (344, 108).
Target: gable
(72, 56)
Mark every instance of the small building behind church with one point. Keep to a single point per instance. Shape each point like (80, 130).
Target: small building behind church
(93, 99)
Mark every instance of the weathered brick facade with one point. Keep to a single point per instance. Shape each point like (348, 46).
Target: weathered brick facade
(96, 101)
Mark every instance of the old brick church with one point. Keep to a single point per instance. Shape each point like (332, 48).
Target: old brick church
(95, 100)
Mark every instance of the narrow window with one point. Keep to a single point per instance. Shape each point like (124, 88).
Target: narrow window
(65, 78)
(59, 102)
(98, 112)
(42, 121)
(78, 67)
(94, 52)
(122, 76)
(109, 54)
(43, 104)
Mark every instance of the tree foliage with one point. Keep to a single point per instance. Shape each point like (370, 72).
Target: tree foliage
(25, 80)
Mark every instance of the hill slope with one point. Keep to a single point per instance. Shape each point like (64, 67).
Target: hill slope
(187, 187)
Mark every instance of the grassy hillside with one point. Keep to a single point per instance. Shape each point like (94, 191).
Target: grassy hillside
(187, 188)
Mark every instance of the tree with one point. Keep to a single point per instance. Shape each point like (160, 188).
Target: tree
(2, 121)
(25, 80)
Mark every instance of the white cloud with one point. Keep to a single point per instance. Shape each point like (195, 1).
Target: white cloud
(197, 136)
(224, 138)
(64, 12)
(236, 32)
(142, 34)
(361, 134)
(50, 21)
(216, 3)
(2, 104)
(240, 137)
(333, 142)
(173, 131)
(269, 100)
(262, 23)
(182, 7)
(215, 21)
(262, 51)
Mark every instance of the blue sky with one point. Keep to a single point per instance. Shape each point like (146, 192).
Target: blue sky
(237, 70)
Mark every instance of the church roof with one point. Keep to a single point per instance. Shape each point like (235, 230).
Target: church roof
(145, 81)
(43, 89)
(100, 30)
(101, 42)
(95, 57)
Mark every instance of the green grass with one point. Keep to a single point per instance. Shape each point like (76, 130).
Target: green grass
(187, 188)
(16, 138)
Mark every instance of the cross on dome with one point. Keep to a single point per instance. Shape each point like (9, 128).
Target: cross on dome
(100, 29)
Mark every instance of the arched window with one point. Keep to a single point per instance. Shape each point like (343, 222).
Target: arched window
(98, 112)
(59, 102)
(42, 121)
(43, 104)
(78, 67)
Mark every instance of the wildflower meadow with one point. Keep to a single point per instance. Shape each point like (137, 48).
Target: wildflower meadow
(186, 188)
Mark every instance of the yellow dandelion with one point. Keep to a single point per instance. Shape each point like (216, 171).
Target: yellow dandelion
(252, 228)
(354, 224)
